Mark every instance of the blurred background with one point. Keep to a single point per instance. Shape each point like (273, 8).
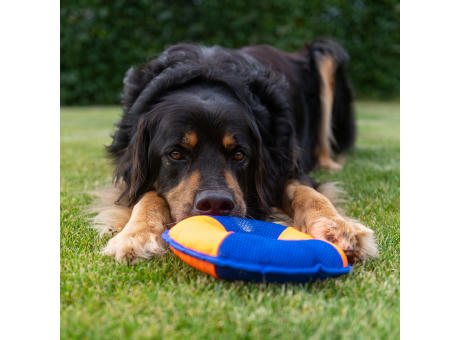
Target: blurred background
(100, 40)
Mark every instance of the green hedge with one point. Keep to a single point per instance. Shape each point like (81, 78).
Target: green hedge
(100, 40)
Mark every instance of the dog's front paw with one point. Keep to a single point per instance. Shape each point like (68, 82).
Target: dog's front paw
(356, 240)
(131, 247)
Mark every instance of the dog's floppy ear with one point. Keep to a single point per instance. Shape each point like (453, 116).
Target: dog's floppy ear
(135, 81)
(330, 60)
(142, 167)
(130, 144)
(274, 134)
(137, 167)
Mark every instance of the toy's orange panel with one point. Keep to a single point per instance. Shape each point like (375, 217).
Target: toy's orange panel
(292, 234)
(201, 265)
(200, 233)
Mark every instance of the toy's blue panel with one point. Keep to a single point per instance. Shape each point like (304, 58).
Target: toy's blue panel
(243, 225)
(251, 248)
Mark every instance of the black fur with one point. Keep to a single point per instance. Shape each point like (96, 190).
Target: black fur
(270, 96)
(343, 117)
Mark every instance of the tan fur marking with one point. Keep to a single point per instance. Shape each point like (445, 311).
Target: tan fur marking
(141, 237)
(152, 210)
(307, 205)
(229, 142)
(327, 68)
(180, 199)
(314, 214)
(239, 198)
(190, 140)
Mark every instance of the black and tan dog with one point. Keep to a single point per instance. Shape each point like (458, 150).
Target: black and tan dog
(231, 132)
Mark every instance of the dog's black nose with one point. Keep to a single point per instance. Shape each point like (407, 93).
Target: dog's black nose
(212, 202)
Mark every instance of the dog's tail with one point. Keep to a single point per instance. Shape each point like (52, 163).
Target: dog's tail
(339, 125)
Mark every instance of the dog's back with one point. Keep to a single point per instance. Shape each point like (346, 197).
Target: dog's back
(320, 97)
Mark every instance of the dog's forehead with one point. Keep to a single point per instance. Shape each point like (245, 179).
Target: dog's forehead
(227, 135)
(191, 127)
(199, 115)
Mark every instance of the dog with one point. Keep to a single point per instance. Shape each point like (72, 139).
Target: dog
(218, 131)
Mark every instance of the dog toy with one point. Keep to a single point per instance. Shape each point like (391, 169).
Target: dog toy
(233, 248)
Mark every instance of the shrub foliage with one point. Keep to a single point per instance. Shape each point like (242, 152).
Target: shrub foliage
(100, 40)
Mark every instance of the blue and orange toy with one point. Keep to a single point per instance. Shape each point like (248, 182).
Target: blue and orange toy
(233, 248)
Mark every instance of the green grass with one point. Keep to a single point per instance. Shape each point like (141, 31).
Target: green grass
(164, 298)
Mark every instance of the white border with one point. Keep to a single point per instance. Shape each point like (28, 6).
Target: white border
(430, 111)
(430, 169)
(29, 124)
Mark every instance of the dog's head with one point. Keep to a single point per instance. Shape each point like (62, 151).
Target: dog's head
(198, 148)
(206, 144)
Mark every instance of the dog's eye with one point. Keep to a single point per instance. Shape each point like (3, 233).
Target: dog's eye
(176, 155)
(238, 155)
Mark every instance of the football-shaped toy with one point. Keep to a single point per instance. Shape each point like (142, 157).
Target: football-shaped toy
(234, 248)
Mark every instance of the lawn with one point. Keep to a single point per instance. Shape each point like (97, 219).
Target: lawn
(164, 298)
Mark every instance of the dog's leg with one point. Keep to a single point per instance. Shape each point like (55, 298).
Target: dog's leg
(326, 69)
(314, 214)
(141, 237)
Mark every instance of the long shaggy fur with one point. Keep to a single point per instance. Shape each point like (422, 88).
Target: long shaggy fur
(261, 92)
